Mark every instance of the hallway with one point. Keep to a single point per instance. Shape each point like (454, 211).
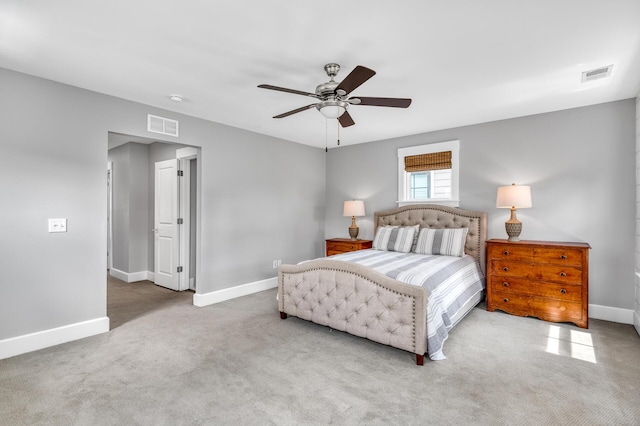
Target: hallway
(127, 301)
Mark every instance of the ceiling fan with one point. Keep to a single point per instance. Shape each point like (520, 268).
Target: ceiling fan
(333, 95)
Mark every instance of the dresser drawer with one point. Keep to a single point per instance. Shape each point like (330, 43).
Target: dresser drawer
(510, 253)
(331, 252)
(344, 245)
(548, 272)
(558, 256)
(534, 306)
(518, 286)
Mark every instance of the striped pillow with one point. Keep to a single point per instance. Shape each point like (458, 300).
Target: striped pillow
(395, 238)
(448, 242)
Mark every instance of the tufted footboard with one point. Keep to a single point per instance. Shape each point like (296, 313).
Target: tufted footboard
(357, 300)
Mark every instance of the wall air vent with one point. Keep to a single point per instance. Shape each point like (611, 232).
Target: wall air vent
(596, 74)
(162, 125)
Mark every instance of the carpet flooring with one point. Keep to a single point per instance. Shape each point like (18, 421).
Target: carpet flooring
(166, 362)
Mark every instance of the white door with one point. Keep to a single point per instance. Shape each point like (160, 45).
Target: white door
(166, 247)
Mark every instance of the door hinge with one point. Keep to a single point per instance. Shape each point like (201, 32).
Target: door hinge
(179, 268)
(180, 173)
(180, 221)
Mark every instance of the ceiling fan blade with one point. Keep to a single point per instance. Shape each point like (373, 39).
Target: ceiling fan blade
(295, 111)
(385, 102)
(358, 76)
(345, 120)
(284, 89)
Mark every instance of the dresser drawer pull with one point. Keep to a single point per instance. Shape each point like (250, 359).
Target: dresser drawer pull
(505, 269)
(564, 256)
(505, 284)
(563, 291)
(563, 274)
(505, 300)
(506, 252)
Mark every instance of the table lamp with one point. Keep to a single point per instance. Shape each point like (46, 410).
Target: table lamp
(353, 208)
(513, 197)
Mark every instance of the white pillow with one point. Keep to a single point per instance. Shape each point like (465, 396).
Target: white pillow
(395, 238)
(448, 242)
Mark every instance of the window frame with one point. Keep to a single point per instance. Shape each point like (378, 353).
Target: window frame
(403, 176)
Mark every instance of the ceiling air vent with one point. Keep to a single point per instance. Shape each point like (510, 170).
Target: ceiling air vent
(162, 125)
(596, 74)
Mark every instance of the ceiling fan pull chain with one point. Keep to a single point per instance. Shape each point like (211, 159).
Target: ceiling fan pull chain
(326, 136)
(338, 133)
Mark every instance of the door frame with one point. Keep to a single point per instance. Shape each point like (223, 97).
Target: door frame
(109, 215)
(184, 157)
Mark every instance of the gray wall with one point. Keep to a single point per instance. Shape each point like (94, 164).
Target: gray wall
(580, 164)
(260, 199)
(119, 156)
(130, 225)
(55, 148)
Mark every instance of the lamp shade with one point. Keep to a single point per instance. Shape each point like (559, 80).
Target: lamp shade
(514, 196)
(353, 208)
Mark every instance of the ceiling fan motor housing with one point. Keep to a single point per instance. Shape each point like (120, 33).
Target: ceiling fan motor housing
(327, 89)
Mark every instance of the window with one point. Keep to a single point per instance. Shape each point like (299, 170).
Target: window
(419, 184)
(429, 174)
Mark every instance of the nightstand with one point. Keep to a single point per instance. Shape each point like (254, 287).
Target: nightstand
(542, 279)
(345, 245)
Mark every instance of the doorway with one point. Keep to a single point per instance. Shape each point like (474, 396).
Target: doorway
(132, 243)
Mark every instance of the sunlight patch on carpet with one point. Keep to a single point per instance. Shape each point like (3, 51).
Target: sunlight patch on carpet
(572, 343)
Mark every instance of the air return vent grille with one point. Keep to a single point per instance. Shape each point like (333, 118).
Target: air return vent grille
(596, 74)
(162, 125)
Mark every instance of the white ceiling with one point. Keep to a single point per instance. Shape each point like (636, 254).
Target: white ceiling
(461, 61)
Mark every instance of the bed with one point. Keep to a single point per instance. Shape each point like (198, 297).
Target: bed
(365, 300)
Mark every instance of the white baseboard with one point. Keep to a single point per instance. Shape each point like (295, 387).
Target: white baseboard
(131, 277)
(636, 321)
(52, 337)
(607, 313)
(213, 297)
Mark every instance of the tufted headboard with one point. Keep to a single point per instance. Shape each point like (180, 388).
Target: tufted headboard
(437, 216)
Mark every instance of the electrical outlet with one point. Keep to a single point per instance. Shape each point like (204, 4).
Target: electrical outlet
(57, 225)
(276, 263)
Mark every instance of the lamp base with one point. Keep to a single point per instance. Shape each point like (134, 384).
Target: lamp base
(353, 229)
(513, 230)
(353, 232)
(513, 227)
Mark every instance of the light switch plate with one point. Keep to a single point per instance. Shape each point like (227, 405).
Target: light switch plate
(57, 225)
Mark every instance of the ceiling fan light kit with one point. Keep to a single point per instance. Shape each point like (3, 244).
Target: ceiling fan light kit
(333, 96)
(332, 109)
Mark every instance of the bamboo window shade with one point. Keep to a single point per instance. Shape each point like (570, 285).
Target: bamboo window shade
(424, 162)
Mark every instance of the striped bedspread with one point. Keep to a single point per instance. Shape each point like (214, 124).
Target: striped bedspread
(452, 283)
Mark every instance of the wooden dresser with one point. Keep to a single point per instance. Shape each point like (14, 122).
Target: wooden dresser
(543, 279)
(344, 245)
